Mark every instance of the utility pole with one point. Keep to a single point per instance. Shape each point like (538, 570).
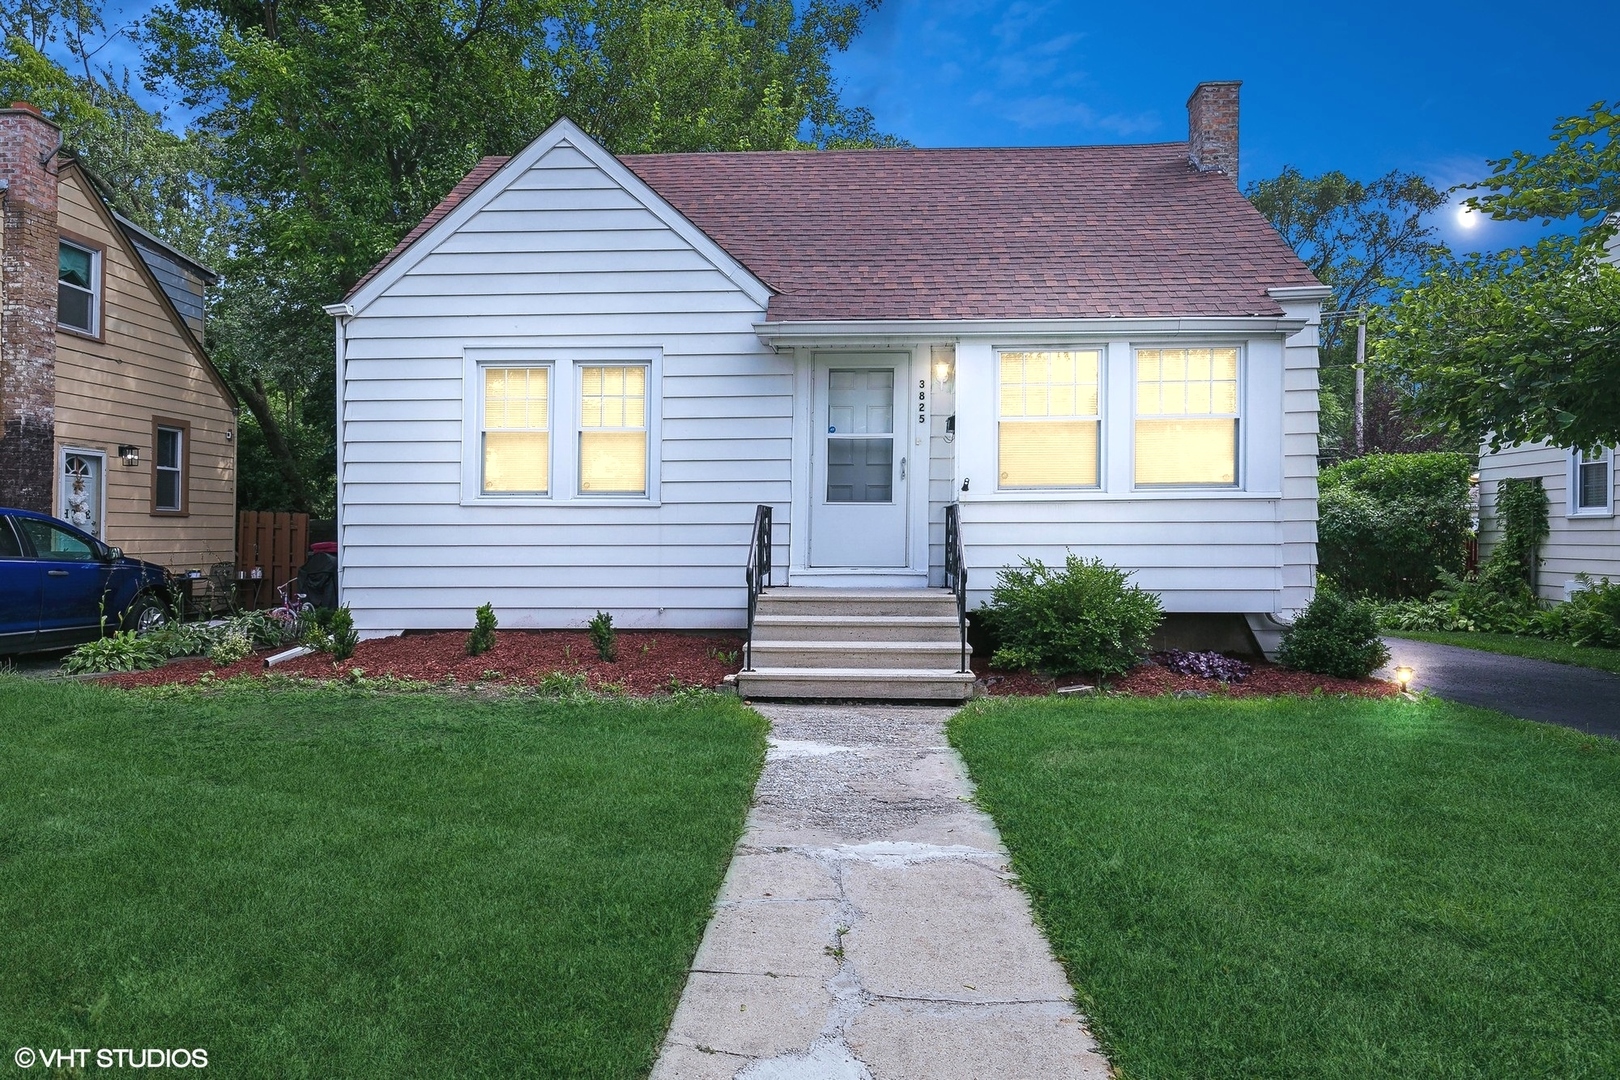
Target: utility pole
(1361, 380)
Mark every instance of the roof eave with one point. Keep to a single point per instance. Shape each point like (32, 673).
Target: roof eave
(788, 333)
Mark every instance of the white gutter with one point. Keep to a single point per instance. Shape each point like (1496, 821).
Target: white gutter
(908, 331)
(341, 313)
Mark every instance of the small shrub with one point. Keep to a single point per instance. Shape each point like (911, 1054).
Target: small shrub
(123, 651)
(1206, 665)
(604, 637)
(1334, 636)
(482, 639)
(1589, 618)
(1085, 617)
(232, 646)
(341, 634)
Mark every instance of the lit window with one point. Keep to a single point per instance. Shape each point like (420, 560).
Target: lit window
(1593, 482)
(77, 276)
(517, 430)
(1186, 417)
(613, 430)
(168, 470)
(1048, 427)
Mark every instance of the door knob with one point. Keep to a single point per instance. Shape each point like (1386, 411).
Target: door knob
(902, 468)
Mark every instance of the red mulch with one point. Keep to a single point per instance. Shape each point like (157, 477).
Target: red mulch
(647, 663)
(1149, 679)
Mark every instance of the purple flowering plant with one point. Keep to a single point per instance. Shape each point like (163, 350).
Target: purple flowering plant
(1205, 665)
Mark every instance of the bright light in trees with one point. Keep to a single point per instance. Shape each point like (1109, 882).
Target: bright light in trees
(1467, 217)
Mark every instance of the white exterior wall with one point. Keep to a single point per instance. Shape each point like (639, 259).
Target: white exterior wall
(562, 260)
(1576, 543)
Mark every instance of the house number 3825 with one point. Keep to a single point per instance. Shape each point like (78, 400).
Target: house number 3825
(922, 401)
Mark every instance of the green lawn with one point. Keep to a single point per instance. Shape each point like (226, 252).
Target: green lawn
(332, 884)
(1317, 887)
(1558, 652)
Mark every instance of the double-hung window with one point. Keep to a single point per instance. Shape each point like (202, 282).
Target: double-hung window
(613, 429)
(78, 281)
(1048, 424)
(516, 435)
(169, 449)
(1592, 487)
(1187, 417)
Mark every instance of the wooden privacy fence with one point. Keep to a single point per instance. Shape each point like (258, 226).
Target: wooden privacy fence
(275, 543)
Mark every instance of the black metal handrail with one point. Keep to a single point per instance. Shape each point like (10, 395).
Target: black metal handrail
(758, 574)
(956, 572)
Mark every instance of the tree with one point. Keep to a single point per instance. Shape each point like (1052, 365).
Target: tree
(1361, 239)
(1524, 345)
(341, 123)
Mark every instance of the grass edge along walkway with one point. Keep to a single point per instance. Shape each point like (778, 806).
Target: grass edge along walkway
(332, 883)
(1531, 648)
(1321, 887)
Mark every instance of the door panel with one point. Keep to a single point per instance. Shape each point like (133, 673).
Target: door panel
(19, 593)
(859, 470)
(80, 485)
(73, 581)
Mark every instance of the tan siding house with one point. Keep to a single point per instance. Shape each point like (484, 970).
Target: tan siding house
(122, 425)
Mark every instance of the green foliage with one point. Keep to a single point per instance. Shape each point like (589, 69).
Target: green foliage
(564, 686)
(1578, 177)
(1590, 618)
(121, 651)
(1515, 346)
(1084, 617)
(230, 647)
(1334, 636)
(344, 637)
(482, 638)
(1390, 524)
(1521, 521)
(181, 639)
(603, 636)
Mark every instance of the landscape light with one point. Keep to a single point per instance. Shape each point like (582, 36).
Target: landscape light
(1403, 675)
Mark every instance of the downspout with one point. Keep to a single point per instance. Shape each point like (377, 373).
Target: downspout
(341, 313)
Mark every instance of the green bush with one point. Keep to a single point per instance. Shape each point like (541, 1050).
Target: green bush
(1521, 519)
(482, 639)
(604, 637)
(342, 633)
(123, 651)
(233, 645)
(1334, 636)
(1086, 617)
(1589, 618)
(1390, 524)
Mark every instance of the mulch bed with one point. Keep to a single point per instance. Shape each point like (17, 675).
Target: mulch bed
(653, 662)
(1151, 678)
(648, 663)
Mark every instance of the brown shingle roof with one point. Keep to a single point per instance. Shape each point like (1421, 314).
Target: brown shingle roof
(1059, 232)
(1028, 233)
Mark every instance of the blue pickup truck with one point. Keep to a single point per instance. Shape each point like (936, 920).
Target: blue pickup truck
(61, 587)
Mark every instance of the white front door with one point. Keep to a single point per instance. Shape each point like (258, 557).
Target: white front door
(858, 467)
(80, 485)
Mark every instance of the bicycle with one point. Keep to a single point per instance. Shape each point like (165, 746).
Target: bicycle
(294, 611)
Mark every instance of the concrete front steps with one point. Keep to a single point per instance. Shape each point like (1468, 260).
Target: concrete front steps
(857, 645)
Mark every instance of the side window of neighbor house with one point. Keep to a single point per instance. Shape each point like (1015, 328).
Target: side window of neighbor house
(517, 430)
(613, 430)
(1048, 424)
(169, 469)
(1187, 417)
(78, 280)
(1594, 482)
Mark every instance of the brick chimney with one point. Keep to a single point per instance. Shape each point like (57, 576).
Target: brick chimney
(1212, 128)
(28, 272)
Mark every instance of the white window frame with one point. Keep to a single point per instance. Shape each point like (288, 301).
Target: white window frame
(1239, 435)
(94, 290)
(1575, 508)
(179, 469)
(477, 384)
(997, 418)
(564, 363)
(579, 428)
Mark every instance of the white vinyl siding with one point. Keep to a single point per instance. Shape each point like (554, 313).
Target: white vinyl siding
(1047, 431)
(563, 268)
(1577, 543)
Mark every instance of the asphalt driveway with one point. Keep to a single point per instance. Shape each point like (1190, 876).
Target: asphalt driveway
(1577, 697)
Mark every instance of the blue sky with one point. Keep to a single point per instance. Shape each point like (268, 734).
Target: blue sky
(1426, 87)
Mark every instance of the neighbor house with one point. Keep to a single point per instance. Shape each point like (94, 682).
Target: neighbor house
(114, 418)
(569, 387)
(1583, 535)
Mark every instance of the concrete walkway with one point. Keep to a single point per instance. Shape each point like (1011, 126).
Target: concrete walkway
(1582, 698)
(869, 928)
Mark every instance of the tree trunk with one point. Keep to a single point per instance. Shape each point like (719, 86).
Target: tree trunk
(254, 397)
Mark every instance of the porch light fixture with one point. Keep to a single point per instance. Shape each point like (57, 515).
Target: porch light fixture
(942, 370)
(129, 455)
(1403, 675)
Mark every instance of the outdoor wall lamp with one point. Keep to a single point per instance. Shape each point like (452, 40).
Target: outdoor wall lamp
(942, 370)
(129, 455)
(1403, 675)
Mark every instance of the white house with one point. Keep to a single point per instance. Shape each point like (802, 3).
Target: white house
(568, 389)
(1583, 535)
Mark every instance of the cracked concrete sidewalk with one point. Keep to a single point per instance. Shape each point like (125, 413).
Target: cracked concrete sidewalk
(869, 927)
